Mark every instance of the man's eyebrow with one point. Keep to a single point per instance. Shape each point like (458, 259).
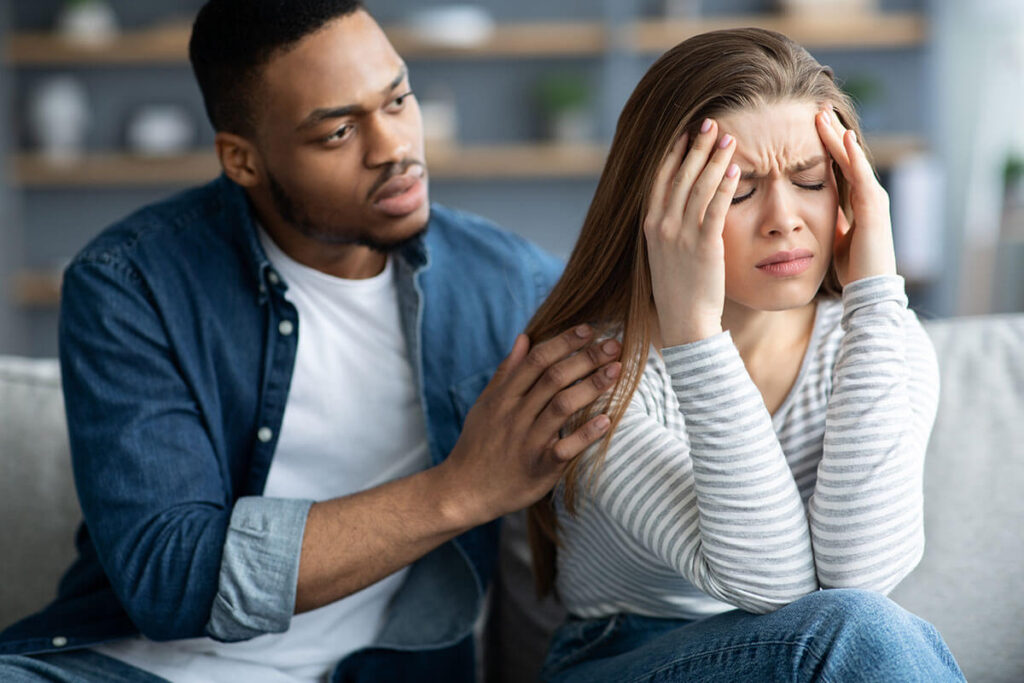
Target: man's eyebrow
(795, 168)
(322, 114)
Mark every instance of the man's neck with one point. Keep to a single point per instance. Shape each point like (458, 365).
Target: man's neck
(347, 261)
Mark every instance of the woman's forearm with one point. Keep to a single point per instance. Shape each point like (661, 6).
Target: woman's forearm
(866, 510)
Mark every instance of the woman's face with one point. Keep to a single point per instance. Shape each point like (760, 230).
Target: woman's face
(780, 228)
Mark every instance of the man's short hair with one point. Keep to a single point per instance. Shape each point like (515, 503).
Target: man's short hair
(233, 39)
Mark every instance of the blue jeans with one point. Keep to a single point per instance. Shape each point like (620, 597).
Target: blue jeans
(832, 635)
(74, 666)
(453, 664)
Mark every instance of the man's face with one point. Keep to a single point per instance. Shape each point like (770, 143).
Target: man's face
(340, 134)
(780, 229)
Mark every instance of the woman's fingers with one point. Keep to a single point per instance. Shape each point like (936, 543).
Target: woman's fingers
(833, 140)
(714, 216)
(693, 164)
(663, 179)
(709, 182)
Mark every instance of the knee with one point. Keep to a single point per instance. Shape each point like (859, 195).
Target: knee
(866, 614)
(866, 626)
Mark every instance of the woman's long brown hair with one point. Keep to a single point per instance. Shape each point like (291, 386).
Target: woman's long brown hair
(607, 281)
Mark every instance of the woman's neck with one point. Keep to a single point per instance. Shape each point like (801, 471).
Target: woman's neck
(769, 335)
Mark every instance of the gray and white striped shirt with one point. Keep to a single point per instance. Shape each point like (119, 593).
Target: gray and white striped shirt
(706, 502)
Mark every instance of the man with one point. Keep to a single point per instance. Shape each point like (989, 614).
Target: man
(266, 378)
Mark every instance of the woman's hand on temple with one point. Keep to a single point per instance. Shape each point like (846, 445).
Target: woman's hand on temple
(692, 193)
(863, 248)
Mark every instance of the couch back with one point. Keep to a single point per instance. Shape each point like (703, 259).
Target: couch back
(970, 583)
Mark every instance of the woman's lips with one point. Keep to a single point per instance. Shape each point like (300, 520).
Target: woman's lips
(786, 263)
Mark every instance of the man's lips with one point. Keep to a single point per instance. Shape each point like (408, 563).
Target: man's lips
(784, 256)
(398, 185)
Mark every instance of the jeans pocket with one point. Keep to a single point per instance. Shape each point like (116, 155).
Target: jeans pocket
(574, 639)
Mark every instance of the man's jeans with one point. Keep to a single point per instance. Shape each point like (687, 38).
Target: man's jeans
(76, 666)
(830, 635)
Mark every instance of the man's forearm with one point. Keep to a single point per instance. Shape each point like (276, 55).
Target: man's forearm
(355, 541)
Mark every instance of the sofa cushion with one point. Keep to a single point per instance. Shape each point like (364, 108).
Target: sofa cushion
(39, 510)
(970, 583)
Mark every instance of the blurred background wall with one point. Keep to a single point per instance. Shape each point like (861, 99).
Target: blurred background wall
(99, 114)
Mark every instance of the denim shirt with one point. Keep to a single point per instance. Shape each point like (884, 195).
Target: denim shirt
(177, 344)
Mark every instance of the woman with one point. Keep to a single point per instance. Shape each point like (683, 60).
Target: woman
(776, 396)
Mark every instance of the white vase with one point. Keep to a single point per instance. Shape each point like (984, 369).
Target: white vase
(91, 23)
(58, 118)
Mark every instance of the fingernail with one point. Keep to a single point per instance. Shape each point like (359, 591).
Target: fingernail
(732, 170)
(583, 331)
(602, 422)
(853, 136)
(726, 139)
(612, 371)
(706, 126)
(610, 347)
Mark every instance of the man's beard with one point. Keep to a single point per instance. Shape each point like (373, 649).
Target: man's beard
(292, 213)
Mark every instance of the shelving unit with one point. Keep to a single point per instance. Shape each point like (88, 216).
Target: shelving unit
(483, 162)
(541, 160)
(629, 40)
(168, 44)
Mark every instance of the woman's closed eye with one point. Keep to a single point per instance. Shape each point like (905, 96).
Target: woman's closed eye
(744, 196)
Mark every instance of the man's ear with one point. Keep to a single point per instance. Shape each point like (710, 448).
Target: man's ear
(239, 159)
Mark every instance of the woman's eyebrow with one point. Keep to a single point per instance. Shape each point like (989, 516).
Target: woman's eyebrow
(795, 168)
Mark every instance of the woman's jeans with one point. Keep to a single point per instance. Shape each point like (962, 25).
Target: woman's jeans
(830, 635)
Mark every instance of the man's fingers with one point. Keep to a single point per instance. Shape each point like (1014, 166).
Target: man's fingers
(568, 448)
(514, 357)
(571, 400)
(544, 355)
(566, 373)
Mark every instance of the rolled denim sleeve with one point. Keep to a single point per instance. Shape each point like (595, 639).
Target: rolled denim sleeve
(259, 568)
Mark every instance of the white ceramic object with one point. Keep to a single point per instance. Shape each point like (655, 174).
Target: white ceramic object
(58, 118)
(160, 130)
(452, 25)
(440, 122)
(90, 23)
(827, 8)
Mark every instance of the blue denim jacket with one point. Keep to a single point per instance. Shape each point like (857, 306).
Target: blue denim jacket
(176, 371)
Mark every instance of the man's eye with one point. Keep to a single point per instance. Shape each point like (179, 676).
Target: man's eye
(399, 102)
(339, 134)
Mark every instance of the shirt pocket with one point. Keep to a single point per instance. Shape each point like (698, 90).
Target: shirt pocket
(466, 391)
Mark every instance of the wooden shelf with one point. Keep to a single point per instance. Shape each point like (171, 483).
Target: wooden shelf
(860, 31)
(484, 162)
(36, 288)
(460, 163)
(169, 44)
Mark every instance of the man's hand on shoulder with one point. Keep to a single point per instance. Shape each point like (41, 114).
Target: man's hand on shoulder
(511, 451)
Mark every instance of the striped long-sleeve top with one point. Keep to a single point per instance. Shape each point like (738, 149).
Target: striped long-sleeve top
(706, 502)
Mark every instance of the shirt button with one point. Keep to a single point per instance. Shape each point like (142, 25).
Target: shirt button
(265, 434)
(59, 641)
(272, 277)
(285, 327)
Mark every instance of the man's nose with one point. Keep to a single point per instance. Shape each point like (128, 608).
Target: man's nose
(386, 141)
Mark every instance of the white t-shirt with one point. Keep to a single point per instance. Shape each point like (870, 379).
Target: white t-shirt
(353, 421)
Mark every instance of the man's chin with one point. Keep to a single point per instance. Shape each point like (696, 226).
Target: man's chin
(390, 246)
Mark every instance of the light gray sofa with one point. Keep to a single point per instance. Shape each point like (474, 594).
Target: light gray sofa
(970, 583)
